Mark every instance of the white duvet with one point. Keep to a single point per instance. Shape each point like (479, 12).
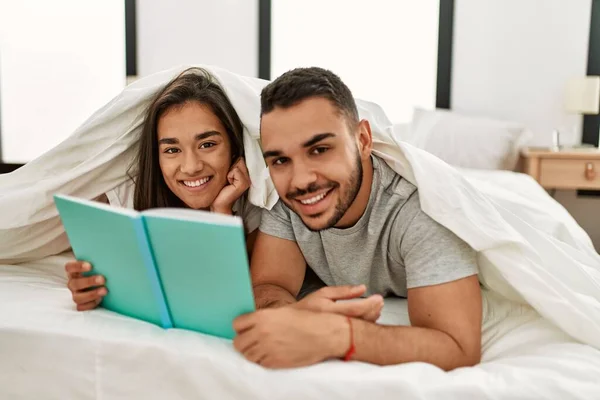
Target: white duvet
(50, 351)
(542, 276)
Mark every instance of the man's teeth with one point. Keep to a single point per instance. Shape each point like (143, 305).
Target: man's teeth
(196, 183)
(313, 200)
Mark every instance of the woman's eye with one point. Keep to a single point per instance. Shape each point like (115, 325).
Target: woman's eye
(280, 161)
(171, 150)
(206, 145)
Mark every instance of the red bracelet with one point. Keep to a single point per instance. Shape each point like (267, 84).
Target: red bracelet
(352, 348)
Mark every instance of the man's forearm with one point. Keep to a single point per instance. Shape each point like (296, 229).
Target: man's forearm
(271, 296)
(389, 345)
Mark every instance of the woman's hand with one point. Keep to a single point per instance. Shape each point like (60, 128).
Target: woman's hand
(87, 291)
(239, 182)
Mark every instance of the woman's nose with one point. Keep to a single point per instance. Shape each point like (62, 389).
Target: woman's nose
(191, 164)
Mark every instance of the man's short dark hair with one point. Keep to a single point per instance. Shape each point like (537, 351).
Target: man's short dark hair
(302, 83)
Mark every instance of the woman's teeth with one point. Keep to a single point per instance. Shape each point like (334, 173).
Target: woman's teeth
(196, 183)
(314, 200)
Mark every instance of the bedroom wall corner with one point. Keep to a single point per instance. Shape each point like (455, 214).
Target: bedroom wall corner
(511, 60)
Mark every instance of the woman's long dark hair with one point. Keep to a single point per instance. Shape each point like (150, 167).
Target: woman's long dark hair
(194, 84)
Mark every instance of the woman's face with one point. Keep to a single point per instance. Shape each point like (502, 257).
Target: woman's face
(194, 153)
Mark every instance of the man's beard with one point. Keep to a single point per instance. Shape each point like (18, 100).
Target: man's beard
(344, 202)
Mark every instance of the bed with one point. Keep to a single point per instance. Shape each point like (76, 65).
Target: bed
(531, 252)
(50, 351)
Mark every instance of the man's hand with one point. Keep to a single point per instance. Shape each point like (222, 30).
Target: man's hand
(288, 337)
(239, 181)
(87, 291)
(445, 331)
(326, 300)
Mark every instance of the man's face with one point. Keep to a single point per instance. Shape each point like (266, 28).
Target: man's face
(314, 160)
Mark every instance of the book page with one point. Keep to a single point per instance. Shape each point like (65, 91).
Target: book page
(195, 215)
(100, 205)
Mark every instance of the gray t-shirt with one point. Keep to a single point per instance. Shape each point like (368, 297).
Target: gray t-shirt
(393, 247)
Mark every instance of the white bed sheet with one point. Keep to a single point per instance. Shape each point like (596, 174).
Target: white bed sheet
(50, 351)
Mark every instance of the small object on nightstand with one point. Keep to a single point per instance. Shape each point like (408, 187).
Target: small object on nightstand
(566, 169)
(555, 140)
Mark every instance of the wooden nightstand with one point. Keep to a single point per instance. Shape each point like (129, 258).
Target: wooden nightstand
(564, 169)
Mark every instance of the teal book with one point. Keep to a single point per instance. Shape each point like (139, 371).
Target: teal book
(172, 267)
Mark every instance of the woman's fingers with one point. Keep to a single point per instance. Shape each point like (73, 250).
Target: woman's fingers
(74, 269)
(87, 291)
(238, 179)
(89, 306)
(95, 295)
(85, 282)
(241, 164)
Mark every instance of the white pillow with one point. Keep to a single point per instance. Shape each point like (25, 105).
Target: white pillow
(466, 141)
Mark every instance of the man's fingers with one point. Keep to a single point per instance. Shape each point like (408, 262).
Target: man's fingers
(243, 322)
(81, 298)
(83, 283)
(354, 309)
(373, 314)
(369, 308)
(77, 267)
(343, 292)
(254, 354)
(245, 341)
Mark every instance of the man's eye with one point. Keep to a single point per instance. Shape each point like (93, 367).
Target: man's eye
(207, 145)
(280, 161)
(171, 150)
(320, 150)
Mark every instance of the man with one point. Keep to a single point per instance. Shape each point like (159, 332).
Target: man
(353, 220)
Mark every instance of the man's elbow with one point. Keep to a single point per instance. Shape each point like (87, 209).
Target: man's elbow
(466, 359)
(472, 359)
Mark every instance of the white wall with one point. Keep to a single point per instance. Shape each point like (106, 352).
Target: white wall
(511, 59)
(385, 52)
(216, 32)
(60, 61)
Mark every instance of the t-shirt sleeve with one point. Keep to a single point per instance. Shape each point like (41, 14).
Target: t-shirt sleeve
(277, 222)
(431, 253)
(251, 217)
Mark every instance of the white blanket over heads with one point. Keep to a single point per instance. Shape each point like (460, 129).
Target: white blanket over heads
(523, 257)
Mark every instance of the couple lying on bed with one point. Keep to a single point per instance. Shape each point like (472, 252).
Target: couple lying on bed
(342, 211)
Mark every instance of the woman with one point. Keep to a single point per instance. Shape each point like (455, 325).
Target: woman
(190, 155)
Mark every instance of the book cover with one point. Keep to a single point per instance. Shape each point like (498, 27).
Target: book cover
(203, 267)
(114, 241)
(172, 267)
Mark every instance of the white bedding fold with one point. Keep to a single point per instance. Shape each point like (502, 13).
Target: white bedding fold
(530, 251)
